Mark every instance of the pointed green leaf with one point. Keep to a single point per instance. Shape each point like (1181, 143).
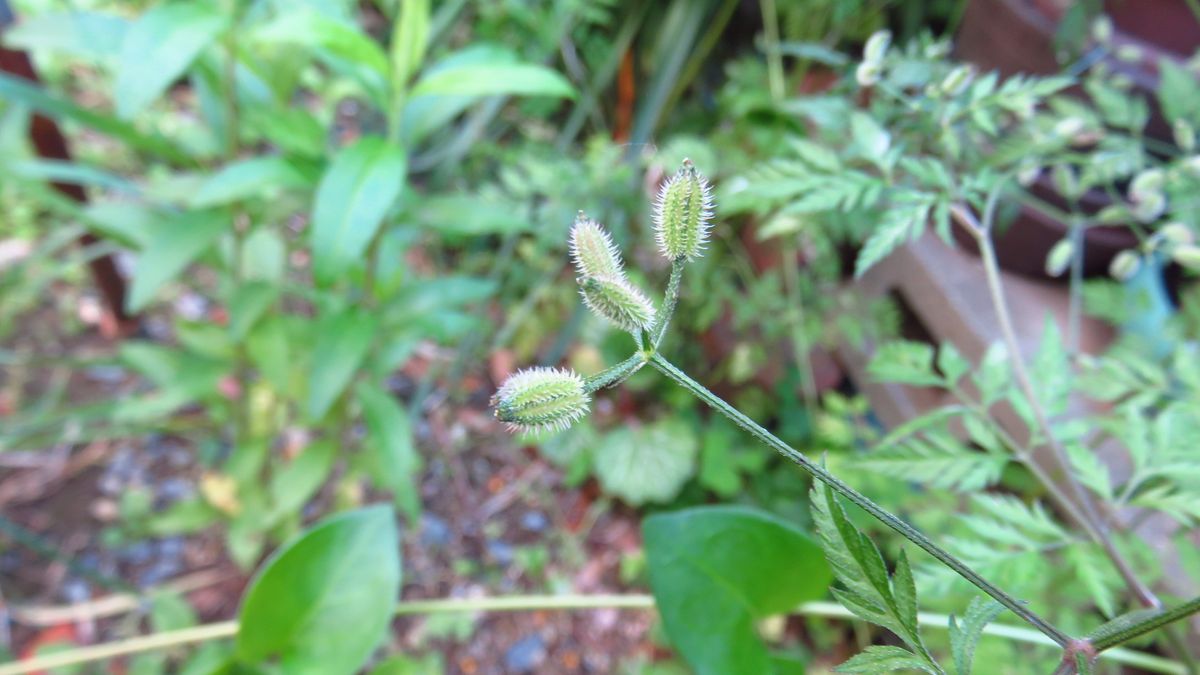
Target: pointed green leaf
(254, 177)
(716, 570)
(965, 635)
(410, 36)
(174, 244)
(323, 603)
(490, 79)
(393, 455)
(354, 195)
(885, 659)
(342, 343)
(159, 47)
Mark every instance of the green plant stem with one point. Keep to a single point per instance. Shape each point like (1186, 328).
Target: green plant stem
(659, 331)
(879, 513)
(1153, 623)
(774, 58)
(800, 344)
(519, 603)
(1090, 521)
(615, 375)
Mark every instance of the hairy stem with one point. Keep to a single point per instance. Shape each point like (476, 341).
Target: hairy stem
(1127, 633)
(615, 375)
(659, 331)
(1091, 520)
(879, 513)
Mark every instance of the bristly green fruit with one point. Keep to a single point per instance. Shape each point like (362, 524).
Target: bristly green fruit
(1124, 265)
(682, 214)
(618, 301)
(541, 399)
(593, 250)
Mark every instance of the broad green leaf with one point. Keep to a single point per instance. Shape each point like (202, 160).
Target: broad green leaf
(159, 47)
(89, 35)
(177, 241)
(716, 570)
(57, 171)
(885, 659)
(965, 635)
(129, 223)
(393, 456)
(510, 79)
(425, 114)
(352, 199)
(294, 483)
(469, 215)
(340, 44)
(19, 91)
(264, 256)
(410, 36)
(254, 177)
(250, 300)
(646, 464)
(817, 156)
(342, 343)
(323, 603)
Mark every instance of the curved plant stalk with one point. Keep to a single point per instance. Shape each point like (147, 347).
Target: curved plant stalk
(1081, 507)
(520, 603)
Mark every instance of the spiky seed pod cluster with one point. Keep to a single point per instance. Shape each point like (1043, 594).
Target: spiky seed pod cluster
(683, 214)
(541, 399)
(602, 281)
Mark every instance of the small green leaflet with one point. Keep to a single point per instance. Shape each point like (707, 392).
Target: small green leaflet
(965, 635)
(867, 591)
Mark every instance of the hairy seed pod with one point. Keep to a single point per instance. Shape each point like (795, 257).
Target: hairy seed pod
(1059, 257)
(1185, 135)
(1147, 182)
(1148, 207)
(1124, 265)
(618, 301)
(682, 214)
(1177, 234)
(957, 80)
(867, 74)
(877, 46)
(1188, 256)
(593, 250)
(541, 399)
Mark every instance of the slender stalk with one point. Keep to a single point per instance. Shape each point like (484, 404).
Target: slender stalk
(800, 344)
(228, 629)
(1075, 292)
(774, 58)
(879, 513)
(659, 330)
(1091, 521)
(1127, 633)
(615, 375)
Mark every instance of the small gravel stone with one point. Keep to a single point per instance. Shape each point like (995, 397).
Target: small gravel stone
(527, 654)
